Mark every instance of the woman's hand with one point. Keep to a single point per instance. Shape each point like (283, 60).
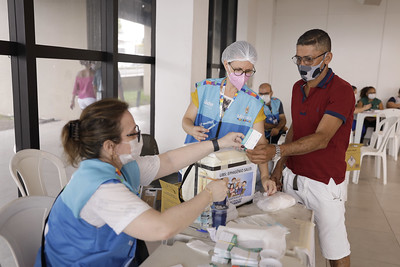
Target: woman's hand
(277, 176)
(231, 140)
(367, 106)
(219, 189)
(269, 186)
(198, 132)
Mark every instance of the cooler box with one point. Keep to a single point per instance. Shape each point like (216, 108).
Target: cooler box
(232, 164)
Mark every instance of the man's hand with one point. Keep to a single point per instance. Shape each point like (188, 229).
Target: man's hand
(276, 176)
(274, 131)
(261, 153)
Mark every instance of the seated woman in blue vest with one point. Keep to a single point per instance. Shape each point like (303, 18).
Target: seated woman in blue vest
(96, 220)
(368, 96)
(224, 105)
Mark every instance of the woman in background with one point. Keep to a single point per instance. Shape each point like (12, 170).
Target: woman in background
(83, 87)
(368, 96)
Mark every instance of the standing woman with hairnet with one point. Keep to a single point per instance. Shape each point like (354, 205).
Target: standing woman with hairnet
(224, 105)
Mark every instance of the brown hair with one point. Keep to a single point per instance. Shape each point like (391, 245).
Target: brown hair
(100, 121)
(365, 90)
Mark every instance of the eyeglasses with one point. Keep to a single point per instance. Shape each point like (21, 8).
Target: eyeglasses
(239, 72)
(308, 61)
(137, 133)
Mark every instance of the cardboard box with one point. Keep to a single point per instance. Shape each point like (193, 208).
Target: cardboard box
(152, 196)
(353, 157)
(169, 195)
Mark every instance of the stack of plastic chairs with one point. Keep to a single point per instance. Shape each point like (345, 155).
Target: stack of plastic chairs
(377, 147)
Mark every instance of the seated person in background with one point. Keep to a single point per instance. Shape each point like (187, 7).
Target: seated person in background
(358, 110)
(394, 102)
(368, 96)
(97, 218)
(275, 123)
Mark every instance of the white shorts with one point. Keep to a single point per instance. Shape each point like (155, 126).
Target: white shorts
(326, 200)
(84, 102)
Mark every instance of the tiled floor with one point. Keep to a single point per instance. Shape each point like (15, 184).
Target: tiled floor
(372, 215)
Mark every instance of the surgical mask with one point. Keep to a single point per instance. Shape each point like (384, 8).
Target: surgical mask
(136, 149)
(309, 73)
(371, 96)
(238, 81)
(266, 98)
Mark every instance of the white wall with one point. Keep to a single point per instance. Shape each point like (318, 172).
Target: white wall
(365, 41)
(365, 47)
(181, 56)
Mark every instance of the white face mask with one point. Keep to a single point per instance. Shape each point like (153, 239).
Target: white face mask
(371, 96)
(266, 98)
(136, 149)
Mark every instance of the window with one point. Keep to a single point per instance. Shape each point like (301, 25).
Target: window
(74, 24)
(4, 20)
(221, 33)
(134, 27)
(7, 137)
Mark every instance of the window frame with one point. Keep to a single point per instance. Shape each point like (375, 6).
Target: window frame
(24, 52)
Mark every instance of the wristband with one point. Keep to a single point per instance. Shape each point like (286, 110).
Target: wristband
(215, 144)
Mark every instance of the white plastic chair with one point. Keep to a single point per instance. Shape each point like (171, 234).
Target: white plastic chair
(394, 138)
(21, 224)
(377, 148)
(27, 164)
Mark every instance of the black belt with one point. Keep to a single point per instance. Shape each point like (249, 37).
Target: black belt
(295, 183)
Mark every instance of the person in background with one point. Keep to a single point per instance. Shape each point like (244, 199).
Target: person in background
(98, 83)
(83, 87)
(358, 110)
(226, 104)
(275, 123)
(394, 101)
(316, 143)
(368, 96)
(97, 218)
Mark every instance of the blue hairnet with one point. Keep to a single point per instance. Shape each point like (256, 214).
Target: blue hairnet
(239, 51)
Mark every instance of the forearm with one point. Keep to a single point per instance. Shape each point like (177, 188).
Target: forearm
(269, 126)
(153, 225)
(281, 124)
(305, 145)
(187, 124)
(176, 159)
(392, 105)
(264, 172)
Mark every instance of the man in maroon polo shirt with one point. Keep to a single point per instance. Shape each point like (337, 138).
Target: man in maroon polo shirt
(316, 143)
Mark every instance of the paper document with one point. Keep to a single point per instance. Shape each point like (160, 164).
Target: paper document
(251, 138)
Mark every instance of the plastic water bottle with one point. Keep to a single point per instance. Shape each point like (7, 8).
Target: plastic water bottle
(219, 211)
(205, 219)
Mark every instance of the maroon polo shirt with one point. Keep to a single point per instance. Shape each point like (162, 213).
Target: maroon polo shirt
(333, 96)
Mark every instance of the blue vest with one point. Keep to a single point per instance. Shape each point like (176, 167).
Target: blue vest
(239, 117)
(71, 241)
(272, 114)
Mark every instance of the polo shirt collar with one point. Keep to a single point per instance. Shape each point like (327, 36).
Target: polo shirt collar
(325, 81)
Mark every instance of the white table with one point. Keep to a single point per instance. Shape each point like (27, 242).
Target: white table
(299, 242)
(360, 122)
